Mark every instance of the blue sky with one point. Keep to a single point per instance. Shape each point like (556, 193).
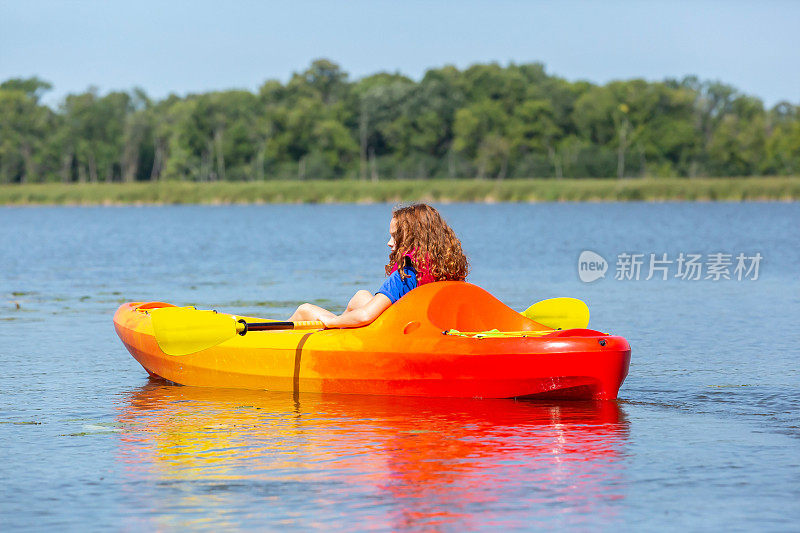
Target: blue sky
(196, 46)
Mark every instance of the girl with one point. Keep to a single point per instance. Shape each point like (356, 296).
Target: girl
(423, 249)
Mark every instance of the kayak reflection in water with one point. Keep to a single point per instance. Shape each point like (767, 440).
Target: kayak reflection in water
(423, 249)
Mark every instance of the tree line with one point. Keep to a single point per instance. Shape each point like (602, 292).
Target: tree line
(486, 121)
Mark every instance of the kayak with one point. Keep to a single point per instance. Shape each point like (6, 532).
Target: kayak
(443, 339)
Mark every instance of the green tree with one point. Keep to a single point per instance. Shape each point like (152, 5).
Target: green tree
(24, 126)
(532, 130)
(738, 143)
(782, 145)
(479, 134)
(95, 128)
(382, 99)
(323, 79)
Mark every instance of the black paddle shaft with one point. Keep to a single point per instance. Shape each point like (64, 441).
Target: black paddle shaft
(264, 326)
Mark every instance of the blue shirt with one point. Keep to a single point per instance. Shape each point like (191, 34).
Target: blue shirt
(396, 287)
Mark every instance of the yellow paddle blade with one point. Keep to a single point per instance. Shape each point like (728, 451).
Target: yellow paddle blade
(559, 313)
(185, 330)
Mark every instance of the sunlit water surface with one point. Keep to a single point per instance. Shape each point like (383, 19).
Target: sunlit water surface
(706, 434)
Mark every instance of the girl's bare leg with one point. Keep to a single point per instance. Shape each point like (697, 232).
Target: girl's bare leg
(359, 299)
(310, 312)
(314, 312)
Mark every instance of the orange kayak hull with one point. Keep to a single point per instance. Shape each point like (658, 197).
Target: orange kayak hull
(404, 352)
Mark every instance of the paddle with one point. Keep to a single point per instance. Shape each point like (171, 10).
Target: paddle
(185, 330)
(559, 313)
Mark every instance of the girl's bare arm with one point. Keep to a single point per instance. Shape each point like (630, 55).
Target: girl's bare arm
(360, 316)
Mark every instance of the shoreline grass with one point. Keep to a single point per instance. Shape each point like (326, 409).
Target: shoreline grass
(433, 190)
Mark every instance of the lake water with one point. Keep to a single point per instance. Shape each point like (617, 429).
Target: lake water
(705, 435)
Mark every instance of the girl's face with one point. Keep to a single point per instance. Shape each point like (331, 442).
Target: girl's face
(392, 229)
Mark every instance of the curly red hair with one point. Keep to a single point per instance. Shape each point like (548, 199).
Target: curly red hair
(424, 239)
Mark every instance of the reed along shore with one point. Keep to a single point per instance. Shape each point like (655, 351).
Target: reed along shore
(389, 191)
